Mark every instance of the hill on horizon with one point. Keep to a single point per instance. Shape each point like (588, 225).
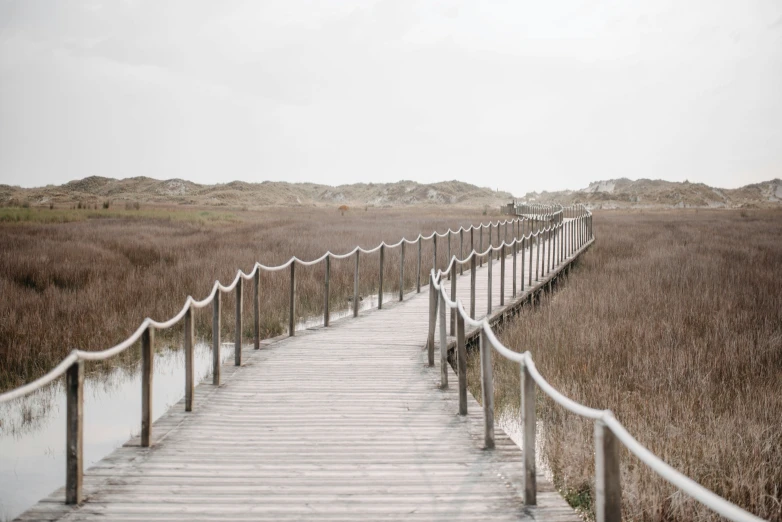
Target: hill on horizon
(605, 194)
(94, 190)
(649, 193)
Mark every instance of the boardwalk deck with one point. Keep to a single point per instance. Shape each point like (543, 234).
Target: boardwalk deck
(338, 423)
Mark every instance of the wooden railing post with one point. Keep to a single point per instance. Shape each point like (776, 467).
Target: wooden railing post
(216, 359)
(453, 298)
(551, 243)
(472, 238)
(515, 249)
(450, 272)
(488, 300)
(402, 272)
(461, 363)
(380, 290)
(189, 359)
(418, 272)
(257, 309)
(355, 286)
(74, 436)
(502, 274)
(147, 367)
(443, 339)
(432, 316)
(434, 255)
(537, 260)
(487, 392)
(521, 268)
(563, 243)
(499, 240)
(292, 302)
(326, 277)
(572, 237)
(480, 242)
(461, 250)
(528, 423)
(238, 334)
(608, 505)
(473, 265)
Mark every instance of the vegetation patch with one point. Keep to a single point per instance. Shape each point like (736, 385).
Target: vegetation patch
(673, 320)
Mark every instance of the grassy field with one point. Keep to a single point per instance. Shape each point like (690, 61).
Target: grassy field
(87, 278)
(673, 320)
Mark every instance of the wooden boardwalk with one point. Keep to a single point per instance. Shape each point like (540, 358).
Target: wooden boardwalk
(340, 423)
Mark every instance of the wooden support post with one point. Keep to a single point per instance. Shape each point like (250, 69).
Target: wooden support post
(453, 268)
(488, 301)
(380, 290)
(461, 363)
(461, 250)
(434, 251)
(189, 359)
(216, 359)
(443, 340)
(418, 273)
(292, 302)
(537, 260)
(502, 275)
(473, 264)
(523, 241)
(238, 334)
(147, 369)
(453, 310)
(546, 252)
(608, 505)
(472, 238)
(326, 278)
(530, 260)
(515, 248)
(487, 392)
(528, 423)
(499, 241)
(402, 271)
(257, 309)
(74, 433)
(480, 242)
(355, 287)
(432, 316)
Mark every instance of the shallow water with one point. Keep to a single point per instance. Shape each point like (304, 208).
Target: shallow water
(32, 429)
(32, 454)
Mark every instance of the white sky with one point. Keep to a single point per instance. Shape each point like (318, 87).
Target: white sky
(515, 94)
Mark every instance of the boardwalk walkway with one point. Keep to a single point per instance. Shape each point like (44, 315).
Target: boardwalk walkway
(338, 423)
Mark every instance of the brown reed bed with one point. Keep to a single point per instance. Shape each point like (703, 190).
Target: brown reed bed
(673, 320)
(89, 283)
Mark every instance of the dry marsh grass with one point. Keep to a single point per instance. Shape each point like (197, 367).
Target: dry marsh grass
(673, 320)
(89, 283)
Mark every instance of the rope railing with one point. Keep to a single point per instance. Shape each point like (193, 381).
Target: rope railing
(72, 366)
(609, 432)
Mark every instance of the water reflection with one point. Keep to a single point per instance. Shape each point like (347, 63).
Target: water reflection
(32, 449)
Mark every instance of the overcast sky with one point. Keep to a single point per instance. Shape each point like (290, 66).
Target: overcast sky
(519, 95)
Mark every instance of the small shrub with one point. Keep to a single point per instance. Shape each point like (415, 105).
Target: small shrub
(107, 204)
